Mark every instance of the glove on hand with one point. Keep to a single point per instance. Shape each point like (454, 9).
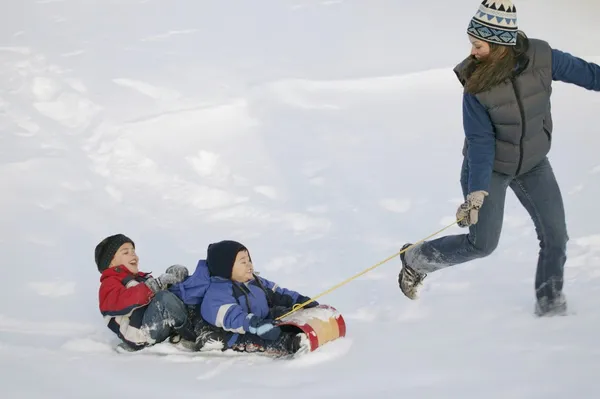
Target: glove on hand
(179, 271)
(309, 305)
(469, 210)
(263, 328)
(161, 283)
(278, 311)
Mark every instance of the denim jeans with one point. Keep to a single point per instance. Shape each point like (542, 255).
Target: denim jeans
(163, 314)
(538, 192)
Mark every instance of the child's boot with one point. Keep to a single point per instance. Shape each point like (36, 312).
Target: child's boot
(210, 338)
(287, 344)
(187, 334)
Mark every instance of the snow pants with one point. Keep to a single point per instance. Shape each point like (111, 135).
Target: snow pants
(167, 313)
(538, 192)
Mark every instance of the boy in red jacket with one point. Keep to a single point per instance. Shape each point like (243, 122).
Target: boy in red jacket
(137, 307)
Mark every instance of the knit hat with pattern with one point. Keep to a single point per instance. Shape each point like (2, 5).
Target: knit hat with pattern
(495, 22)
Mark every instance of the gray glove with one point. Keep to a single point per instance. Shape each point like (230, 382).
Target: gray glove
(179, 271)
(161, 283)
(469, 210)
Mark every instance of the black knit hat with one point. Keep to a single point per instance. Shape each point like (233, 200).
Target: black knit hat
(106, 250)
(220, 257)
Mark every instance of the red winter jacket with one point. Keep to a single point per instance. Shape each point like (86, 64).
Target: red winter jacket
(123, 297)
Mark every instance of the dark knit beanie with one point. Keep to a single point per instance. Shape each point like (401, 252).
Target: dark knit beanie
(107, 249)
(220, 257)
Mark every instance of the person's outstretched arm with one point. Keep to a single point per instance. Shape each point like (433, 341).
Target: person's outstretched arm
(570, 69)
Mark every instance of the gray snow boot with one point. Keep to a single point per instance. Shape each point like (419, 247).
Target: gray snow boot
(409, 279)
(123, 348)
(545, 307)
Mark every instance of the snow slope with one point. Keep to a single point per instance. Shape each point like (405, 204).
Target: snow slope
(323, 135)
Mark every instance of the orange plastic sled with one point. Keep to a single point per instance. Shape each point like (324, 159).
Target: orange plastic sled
(321, 324)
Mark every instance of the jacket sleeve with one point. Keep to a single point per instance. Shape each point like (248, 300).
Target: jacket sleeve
(220, 309)
(282, 296)
(570, 69)
(118, 300)
(192, 290)
(481, 143)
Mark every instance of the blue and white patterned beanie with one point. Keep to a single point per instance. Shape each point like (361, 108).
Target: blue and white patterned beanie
(495, 22)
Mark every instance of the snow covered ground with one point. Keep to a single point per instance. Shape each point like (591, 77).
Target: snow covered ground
(323, 135)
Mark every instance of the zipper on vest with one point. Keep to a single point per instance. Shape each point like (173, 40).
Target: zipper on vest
(522, 126)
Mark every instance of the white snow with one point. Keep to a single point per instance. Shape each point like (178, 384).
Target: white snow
(53, 289)
(395, 205)
(70, 109)
(323, 134)
(148, 89)
(168, 34)
(267, 191)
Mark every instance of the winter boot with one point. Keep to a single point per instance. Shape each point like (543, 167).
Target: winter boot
(545, 307)
(210, 337)
(187, 335)
(409, 279)
(288, 344)
(207, 336)
(300, 344)
(249, 343)
(123, 348)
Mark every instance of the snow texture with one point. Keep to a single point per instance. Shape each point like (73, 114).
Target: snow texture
(321, 134)
(303, 315)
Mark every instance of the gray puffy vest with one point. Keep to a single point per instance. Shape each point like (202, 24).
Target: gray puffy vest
(520, 112)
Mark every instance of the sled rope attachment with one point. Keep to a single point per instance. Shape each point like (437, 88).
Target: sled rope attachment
(299, 306)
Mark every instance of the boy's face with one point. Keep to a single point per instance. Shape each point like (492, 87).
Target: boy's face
(126, 256)
(242, 268)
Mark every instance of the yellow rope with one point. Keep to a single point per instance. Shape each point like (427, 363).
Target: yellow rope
(299, 306)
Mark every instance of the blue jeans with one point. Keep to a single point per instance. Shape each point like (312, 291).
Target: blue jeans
(165, 313)
(538, 192)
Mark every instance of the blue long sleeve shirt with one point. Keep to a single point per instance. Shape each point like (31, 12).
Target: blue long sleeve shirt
(478, 127)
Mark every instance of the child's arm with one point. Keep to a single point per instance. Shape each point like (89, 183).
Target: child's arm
(117, 300)
(285, 297)
(220, 309)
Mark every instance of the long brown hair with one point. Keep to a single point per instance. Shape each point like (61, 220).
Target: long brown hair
(499, 66)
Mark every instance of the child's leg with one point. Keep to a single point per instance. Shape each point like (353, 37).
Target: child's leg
(164, 313)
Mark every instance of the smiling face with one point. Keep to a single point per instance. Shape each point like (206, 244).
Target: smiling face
(242, 268)
(127, 257)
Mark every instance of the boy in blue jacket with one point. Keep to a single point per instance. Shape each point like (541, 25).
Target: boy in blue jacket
(245, 305)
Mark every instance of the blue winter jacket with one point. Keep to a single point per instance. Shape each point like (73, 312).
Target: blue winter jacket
(230, 305)
(478, 127)
(192, 289)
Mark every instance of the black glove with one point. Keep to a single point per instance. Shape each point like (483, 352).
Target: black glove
(278, 311)
(264, 328)
(302, 299)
